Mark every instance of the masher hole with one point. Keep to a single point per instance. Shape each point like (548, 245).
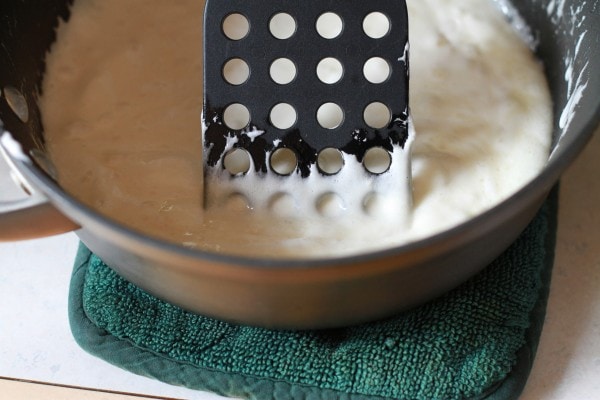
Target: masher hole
(330, 70)
(17, 103)
(283, 116)
(329, 25)
(330, 205)
(377, 115)
(284, 161)
(376, 25)
(283, 204)
(235, 26)
(377, 160)
(330, 161)
(376, 70)
(237, 161)
(236, 116)
(236, 71)
(378, 204)
(283, 71)
(237, 202)
(282, 26)
(330, 115)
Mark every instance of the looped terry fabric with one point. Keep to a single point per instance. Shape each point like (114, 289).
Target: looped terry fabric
(475, 342)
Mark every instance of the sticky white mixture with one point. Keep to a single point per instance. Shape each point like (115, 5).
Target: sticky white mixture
(121, 109)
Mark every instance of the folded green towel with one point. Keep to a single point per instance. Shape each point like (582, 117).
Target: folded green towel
(475, 342)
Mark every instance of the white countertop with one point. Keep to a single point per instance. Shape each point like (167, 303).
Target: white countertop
(36, 342)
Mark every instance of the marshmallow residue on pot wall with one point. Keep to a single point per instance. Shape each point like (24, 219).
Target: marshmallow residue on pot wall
(121, 110)
(571, 19)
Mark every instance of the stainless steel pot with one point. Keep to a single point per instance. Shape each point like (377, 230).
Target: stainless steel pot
(300, 293)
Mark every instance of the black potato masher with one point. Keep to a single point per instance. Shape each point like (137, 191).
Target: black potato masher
(304, 100)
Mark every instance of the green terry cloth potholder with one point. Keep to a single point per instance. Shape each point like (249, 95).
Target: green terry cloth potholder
(476, 342)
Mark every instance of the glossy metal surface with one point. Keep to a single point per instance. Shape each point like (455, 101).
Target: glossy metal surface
(329, 292)
(24, 216)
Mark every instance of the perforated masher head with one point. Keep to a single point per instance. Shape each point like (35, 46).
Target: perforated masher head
(304, 99)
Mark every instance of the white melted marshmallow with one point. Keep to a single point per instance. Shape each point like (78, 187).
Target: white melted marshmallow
(121, 108)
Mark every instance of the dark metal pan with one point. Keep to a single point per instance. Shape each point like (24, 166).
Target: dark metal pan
(299, 293)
